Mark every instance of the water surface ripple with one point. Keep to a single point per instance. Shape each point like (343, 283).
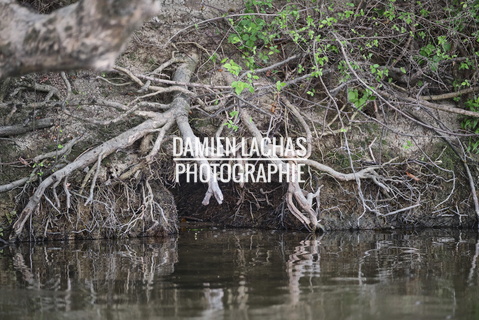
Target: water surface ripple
(246, 274)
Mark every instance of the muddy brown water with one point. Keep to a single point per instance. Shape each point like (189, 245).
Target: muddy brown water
(246, 274)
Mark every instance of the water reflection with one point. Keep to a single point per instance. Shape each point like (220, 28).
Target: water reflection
(56, 278)
(244, 274)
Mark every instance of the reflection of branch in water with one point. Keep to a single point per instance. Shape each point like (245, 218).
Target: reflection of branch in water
(470, 278)
(305, 261)
(20, 266)
(214, 302)
(388, 258)
(37, 283)
(104, 273)
(244, 266)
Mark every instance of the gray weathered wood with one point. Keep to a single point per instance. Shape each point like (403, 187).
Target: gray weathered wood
(20, 128)
(87, 34)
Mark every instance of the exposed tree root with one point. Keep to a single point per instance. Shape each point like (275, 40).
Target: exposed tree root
(122, 141)
(23, 128)
(178, 112)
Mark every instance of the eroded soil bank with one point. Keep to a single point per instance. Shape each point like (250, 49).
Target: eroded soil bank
(383, 165)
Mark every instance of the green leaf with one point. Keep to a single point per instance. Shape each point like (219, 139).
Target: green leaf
(239, 87)
(280, 85)
(352, 95)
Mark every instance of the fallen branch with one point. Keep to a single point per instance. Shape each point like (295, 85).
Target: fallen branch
(181, 83)
(136, 78)
(365, 173)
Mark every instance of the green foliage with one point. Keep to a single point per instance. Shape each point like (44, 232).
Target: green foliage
(39, 167)
(360, 98)
(472, 125)
(436, 52)
(255, 35)
(379, 72)
(231, 66)
(239, 87)
(407, 145)
(249, 31)
(235, 69)
(231, 122)
(280, 85)
(311, 92)
(214, 57)
(387, 41)
(10, 216)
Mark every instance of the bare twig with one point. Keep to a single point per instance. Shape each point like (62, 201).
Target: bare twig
(66, 149)
(271, 67)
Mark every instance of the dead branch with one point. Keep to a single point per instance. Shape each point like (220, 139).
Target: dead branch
(14, 184)
(21, 129)
(423, 102)
(156, 147)
(93, 182)
(271, 67)
(168, 63)
(136, 78)
(297, 114)
(365, 173)
(450, 95)
(179, 83)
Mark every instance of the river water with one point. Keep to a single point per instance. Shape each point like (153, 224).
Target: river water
(246, 274)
